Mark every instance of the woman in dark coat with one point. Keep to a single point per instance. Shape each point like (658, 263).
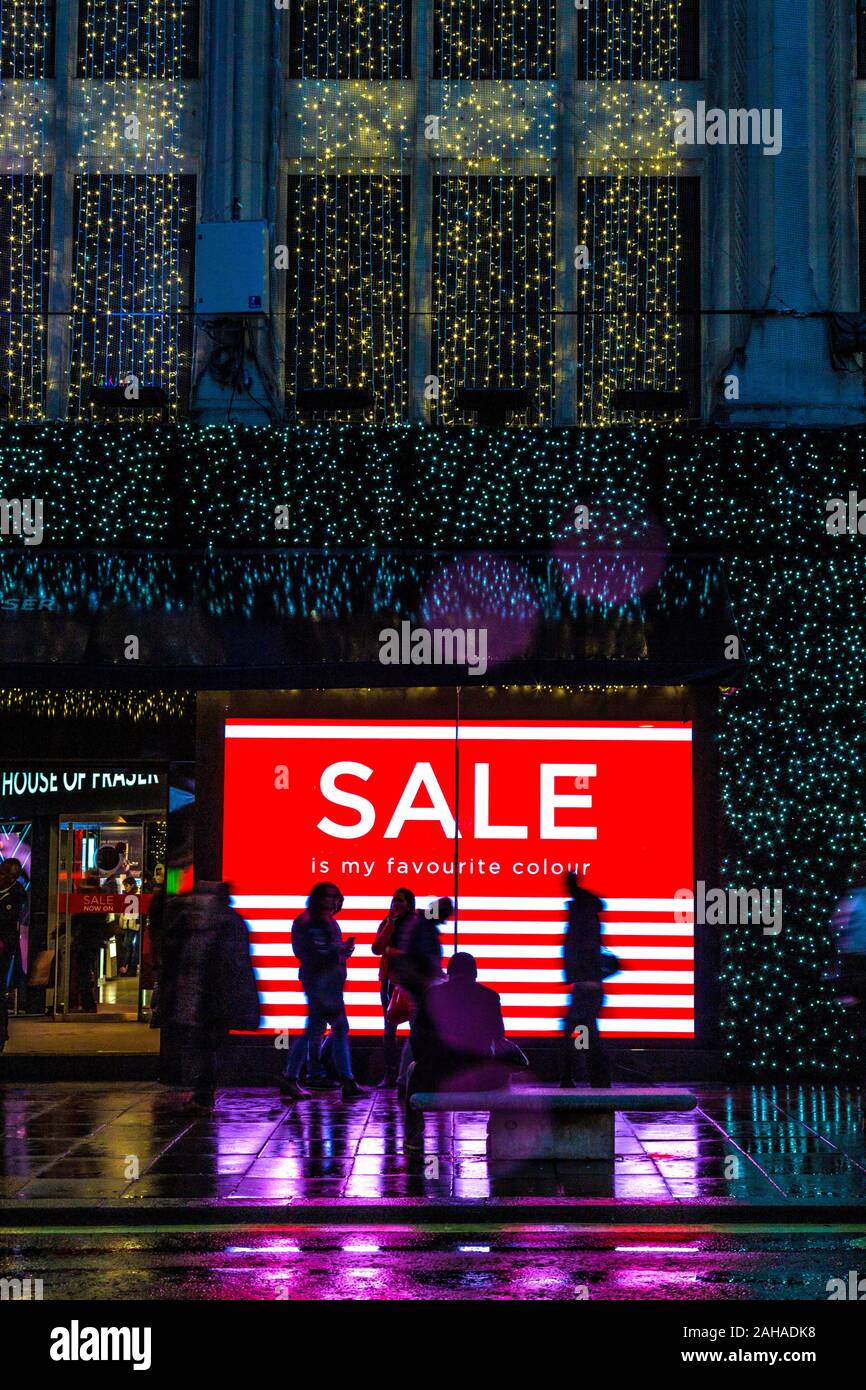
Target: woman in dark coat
(319, 947)
(390, 943)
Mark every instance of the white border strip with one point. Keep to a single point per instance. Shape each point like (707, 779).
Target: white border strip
(681, 905)
(644, 733)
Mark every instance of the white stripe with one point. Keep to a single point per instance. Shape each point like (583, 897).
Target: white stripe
(517, 1027)
(480, 950)
(501, 976)
(506, 976)
(280, 972)
(466, 733)
(682, 905)
(527, 999)
(639, 1026)
(468, 927)
(289, 996)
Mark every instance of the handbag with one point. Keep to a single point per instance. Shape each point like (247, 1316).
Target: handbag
(401, 1006)
(609, 964)
(41, 970)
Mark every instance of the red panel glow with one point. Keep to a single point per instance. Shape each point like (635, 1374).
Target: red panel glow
(370, 804)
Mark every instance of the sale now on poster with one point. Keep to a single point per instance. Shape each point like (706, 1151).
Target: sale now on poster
(490, 813)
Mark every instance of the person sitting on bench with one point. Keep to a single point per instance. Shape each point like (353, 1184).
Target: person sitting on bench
(458, 1039)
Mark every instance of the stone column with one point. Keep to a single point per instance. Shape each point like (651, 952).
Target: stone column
(565, 319)
(62, 210)
(240, 73)
(800, 212)
(421, 214)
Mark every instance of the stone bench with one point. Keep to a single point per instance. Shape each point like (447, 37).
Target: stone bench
(549, 1122)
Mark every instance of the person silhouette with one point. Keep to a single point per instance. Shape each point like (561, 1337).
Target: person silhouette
(583, 971)
(322, 952)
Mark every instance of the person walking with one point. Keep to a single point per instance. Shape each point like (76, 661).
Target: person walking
(390, 943)
(322, 953)
(12, 902)
(849, 930)
(207, 983)
(583, 971)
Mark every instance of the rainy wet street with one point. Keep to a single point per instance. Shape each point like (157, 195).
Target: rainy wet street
(136, 1149)
(117, 1193)
(702, 1264)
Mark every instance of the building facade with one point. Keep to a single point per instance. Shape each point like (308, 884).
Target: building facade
(620, 239)
(476, 211)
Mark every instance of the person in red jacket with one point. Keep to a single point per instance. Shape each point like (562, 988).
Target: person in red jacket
(390, 943)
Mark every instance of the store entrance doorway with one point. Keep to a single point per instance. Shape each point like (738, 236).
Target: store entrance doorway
(108, 869)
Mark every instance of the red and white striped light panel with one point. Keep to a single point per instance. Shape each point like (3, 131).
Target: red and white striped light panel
(371, 805)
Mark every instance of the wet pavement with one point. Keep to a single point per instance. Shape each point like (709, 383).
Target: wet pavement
(134, 1146)
(695, 1264)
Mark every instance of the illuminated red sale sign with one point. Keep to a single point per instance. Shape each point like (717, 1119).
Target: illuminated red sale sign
(504, 808)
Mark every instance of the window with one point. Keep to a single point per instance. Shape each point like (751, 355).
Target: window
(493, 286)
(25, 219)
(26, 39)
(639, 298)
(494, 39)
(348, 293)
(644, 40)
(156, 39)
(359, 39)
(132, 275)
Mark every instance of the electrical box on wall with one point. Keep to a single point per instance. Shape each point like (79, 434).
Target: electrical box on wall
(231, 268)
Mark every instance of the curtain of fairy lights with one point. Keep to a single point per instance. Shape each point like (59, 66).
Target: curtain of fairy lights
(505, 40)
(494, 203)
(26, 56)
(134, 209)
(347, 305)
(634, 331)
(493, 249)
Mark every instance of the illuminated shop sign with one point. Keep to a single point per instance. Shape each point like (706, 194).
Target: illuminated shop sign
(71, 788)
(372, 805)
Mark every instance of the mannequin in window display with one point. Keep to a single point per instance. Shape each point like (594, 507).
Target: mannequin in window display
(112, 863)
(127, 930)
(90, 932)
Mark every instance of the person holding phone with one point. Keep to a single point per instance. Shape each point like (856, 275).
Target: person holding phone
(322, 954)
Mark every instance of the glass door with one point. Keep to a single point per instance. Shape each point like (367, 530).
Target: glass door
(104, 879)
